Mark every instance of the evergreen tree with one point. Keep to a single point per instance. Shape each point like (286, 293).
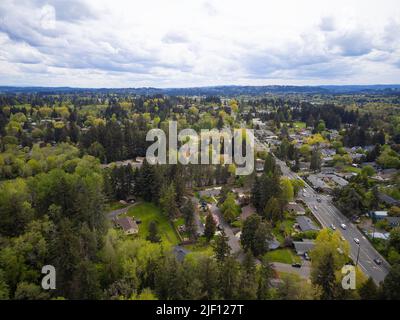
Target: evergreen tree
(210, 227)
(324, 276)
(221, 247)
(153, 232)
(369, 290)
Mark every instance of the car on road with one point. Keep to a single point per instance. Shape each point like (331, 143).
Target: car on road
(378, 261)
(307, 256)
(315, 207)
(343, 226)
(333, 227)
(296, 265)
(319, 199)
(356, 240)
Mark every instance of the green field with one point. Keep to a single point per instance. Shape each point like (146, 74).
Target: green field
(147, 212)
(299, 125)
(283, 256)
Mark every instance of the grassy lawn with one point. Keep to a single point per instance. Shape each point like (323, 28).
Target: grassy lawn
(201, 247)
(299, 125)
(147, 212)
(353, 169)
(283, 256)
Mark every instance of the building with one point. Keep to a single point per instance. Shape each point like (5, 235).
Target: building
(128, 225)
(388, 199)
(211, 192)
(393, 221)
(295, 208)
(247, 211)
(378, 215)
(306, 224)
(304, 246)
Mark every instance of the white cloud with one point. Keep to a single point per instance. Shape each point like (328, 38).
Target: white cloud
(186, 43)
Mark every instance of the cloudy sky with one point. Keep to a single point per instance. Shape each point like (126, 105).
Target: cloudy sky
(181, 43)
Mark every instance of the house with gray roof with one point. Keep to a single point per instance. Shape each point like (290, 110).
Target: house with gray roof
(306, 224)
(304, 246)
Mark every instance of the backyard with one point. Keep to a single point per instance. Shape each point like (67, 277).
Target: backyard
(283, 256)
(147, 212)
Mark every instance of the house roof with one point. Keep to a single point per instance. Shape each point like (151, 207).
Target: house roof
(393, 221)
(304, 246)
(273, 244)
(127, 223)
(247, 211)
(295, 207)
(387, 199)
(306, 224)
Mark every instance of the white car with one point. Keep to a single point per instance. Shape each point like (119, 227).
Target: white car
(333, 227)
(315, 207)
(343, 226)
(356, 241)
(343, 239)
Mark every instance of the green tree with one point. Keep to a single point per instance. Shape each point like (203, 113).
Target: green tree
(168, 202)
(265, 275)
(229, 208)
(323, 275)
(369, 290)
(391, 284)
(188, 212)
(30, 291)
(221, 247)
(210, 227)
(153, 232)
(315, 163)
(255, 235)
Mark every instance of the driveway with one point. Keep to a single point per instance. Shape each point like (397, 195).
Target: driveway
(199, 224)
(304, 272)
(115, 213)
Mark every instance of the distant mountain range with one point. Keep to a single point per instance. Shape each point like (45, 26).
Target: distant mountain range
(216, 90)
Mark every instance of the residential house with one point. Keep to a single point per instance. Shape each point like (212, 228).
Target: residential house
(128, 225)
(295, 208)
(378, 215)
(306, 224)
(304, 246)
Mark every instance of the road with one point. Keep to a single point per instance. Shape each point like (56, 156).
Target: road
(327, 215)
(233, 241)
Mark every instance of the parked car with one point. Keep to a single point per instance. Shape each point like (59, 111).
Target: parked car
(296, 265)
(319, 199)
(378, 261)
(333, 227)
(356, 241)
(306, 256)
(343, 226)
